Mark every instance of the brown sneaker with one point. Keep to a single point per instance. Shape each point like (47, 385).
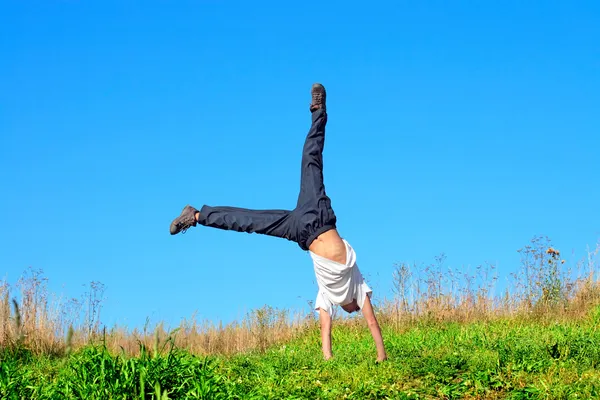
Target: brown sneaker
(318, 97)
(186, 219)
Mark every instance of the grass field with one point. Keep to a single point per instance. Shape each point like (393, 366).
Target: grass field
(507, 358)
(445, 338)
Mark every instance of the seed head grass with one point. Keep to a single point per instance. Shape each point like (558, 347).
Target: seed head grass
(448, 334)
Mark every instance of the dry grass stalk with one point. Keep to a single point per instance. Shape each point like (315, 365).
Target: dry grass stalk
(545, 288)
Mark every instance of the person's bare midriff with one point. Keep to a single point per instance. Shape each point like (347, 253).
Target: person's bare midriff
(330, 246)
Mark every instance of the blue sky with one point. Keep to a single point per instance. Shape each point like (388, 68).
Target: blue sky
(454, 127)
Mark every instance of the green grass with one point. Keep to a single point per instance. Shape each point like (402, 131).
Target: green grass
(508, 358)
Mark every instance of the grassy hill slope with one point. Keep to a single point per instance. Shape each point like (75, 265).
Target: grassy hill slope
(517, 358)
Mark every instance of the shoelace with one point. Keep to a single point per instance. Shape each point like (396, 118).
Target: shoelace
(185, 227)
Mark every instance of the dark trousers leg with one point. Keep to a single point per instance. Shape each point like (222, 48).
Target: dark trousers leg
(282, 223)
(277, 223)
(311, 178)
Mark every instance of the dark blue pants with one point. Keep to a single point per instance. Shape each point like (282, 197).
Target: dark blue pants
(313, 214)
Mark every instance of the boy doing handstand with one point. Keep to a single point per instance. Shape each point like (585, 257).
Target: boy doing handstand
(312, 224)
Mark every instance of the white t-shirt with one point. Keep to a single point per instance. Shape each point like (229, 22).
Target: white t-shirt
(339, 284)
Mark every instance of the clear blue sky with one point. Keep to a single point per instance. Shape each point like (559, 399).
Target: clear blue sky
(457, 127)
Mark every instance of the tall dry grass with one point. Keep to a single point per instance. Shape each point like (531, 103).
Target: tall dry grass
(546, 286)
(260, 329)
(55, 326)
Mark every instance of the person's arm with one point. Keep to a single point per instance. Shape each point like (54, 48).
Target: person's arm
(369, 315)
(325, 319)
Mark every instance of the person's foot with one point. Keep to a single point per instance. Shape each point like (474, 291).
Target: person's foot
(186, 219)
(318, 97)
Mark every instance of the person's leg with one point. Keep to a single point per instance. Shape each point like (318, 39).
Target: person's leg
(314, 214)
(311, 178)
(267, 222)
